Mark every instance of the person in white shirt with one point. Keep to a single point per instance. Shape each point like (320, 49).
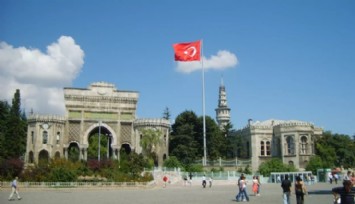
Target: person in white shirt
(14, 190)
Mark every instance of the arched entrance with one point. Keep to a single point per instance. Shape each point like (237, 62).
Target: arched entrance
(73, 152)
(30, 157)
(126, 149)
(100, 140)
(43, 157)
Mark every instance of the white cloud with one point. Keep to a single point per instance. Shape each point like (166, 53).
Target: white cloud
(223, 60)
(40, 76)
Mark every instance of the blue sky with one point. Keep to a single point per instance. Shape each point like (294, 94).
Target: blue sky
(295, 59)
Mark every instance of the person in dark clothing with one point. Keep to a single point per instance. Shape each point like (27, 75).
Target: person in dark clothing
(300, 190)
(344, 193)
(286, 188)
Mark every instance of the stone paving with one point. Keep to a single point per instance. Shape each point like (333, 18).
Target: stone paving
(220, 193)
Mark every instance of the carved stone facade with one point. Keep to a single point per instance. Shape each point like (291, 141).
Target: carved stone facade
(99, 108)
(292, 141)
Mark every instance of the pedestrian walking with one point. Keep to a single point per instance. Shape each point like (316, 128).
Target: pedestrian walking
(243, 194)
(344, 193)
(255, 185)
(259, 186)
(210, 181)
(347, 176)
(239, 196)
(286, 188)
(185, 179)
(300, 190)
(204, 181)
(165, 179)
(14, 190)
(190, 178)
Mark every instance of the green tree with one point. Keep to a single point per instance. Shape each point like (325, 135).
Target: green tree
(314, 163)
(215, 141)
(94, 146)
(345, 150)
(15, 132)
(133, 164)
(166, 114)
(172, 162)
(4, 114)
(275, 165)
(151, 138)
(183, 144)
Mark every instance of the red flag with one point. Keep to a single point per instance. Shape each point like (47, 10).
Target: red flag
(190, 51)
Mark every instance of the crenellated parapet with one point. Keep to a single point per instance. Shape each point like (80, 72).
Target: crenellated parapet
(145, 122)
(46, 118)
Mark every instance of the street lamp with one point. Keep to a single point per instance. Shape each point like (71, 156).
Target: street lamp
(98, 154)
(108, 145)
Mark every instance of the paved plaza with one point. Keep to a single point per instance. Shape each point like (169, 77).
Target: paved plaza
(173, 194)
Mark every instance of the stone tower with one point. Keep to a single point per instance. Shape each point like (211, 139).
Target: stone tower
(222, 111)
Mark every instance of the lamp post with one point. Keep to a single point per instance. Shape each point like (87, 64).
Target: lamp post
(98, 154)
(108, 145)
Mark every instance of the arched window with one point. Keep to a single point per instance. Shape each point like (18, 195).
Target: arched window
(290, 145)
(30, 157)
(32, 137)
(268, 148)
(58, 137)
(303, 145)
(45, 137)
(262, 148)
(57, 155)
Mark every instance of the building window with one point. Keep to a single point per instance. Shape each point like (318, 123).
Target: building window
(32, 137)
(303, 145)
(312, 145)
(268, 148)
(262, 148)
(290, 145)
(45, 137)
(58, 137)
(265, 148)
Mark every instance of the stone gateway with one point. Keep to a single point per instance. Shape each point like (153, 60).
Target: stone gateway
(99, 113)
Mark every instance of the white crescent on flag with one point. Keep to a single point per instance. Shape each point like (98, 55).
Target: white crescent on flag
(191, 51)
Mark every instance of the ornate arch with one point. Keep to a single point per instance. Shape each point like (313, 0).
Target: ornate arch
(96, 125)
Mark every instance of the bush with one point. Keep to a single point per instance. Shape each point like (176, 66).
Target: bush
(275, 165)
(11, 168)
(172, 162)
(194, 168)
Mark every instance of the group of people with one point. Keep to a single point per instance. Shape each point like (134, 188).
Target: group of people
(333, 177)
(342, 195)
(242, 186)
(204, 181)
(300, 190)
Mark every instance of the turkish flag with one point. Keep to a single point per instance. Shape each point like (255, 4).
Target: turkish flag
(190, 51)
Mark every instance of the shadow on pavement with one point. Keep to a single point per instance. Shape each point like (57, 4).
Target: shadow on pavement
(320, 192)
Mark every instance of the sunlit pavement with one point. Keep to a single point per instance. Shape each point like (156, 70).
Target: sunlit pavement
(173, 194)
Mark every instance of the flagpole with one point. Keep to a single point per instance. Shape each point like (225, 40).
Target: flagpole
(203, 109)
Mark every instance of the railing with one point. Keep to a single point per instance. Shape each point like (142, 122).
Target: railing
(225, 163)
(78, 184)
